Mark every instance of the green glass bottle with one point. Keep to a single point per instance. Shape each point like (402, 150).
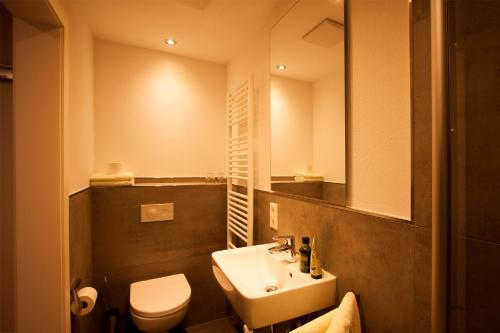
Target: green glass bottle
(305, 255)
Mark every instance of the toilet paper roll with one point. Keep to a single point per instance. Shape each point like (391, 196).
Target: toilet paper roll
(88, 297)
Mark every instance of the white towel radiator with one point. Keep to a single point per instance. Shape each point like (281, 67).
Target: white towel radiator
(240, 179)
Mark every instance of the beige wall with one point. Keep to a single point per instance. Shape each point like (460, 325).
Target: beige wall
(292, 127)
(308, 125)
(80, 116)
(380, 161)
(39, 205)
(328, 147)
(254, 61)
(380, 164)
(158, 113)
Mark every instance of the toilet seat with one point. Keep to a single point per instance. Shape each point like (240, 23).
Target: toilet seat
(159, 297)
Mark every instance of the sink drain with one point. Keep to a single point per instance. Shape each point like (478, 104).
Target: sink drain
(270, 288)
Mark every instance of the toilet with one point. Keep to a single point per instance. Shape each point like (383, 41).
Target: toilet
(158, 305)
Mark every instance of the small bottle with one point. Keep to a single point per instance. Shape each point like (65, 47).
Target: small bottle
(316, 270)
(305, 255)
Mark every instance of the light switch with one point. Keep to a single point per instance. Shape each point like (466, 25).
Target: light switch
(273, 216)
(157, 212)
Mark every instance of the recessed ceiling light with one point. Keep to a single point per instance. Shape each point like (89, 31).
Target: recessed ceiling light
(281, 67)
(170, 41)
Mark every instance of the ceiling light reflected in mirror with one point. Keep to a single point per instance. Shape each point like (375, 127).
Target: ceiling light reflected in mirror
(170, 42)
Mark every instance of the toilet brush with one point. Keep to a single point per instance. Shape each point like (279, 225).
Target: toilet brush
(111, 313)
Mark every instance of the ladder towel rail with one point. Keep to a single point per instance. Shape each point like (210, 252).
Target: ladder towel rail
(240, 170)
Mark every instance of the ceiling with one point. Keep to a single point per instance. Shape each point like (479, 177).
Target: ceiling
(304, 60)
(212, 30)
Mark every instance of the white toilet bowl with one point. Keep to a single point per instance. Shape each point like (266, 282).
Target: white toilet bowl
(158, 305)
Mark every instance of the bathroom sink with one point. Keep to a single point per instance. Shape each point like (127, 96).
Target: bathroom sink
(264, 289)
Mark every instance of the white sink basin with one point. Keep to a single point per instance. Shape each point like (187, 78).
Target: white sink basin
(246, 274)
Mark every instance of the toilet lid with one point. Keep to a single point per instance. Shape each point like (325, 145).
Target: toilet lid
(159, 297)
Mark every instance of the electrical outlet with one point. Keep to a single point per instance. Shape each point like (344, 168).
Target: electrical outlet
(273, 216)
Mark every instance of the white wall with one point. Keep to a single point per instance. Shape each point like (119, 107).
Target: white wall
(328, 147)
(255, 61)
(80, 122)
(158, 113)
(292, 126)
(380, 165)
(308, 126)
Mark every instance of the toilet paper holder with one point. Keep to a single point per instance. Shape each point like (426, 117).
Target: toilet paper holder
(74, 294)
(83, 299)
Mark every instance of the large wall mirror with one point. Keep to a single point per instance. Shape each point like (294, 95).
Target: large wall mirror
(308, 145)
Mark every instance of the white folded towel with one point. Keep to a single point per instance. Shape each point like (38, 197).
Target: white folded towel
(111, 183)
(103, 177)
(318, 325)
(346, 320)
(308, 177)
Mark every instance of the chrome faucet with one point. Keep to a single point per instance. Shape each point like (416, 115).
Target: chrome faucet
(287, 246)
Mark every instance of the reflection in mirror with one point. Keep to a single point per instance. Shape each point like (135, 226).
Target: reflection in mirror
(308, 102)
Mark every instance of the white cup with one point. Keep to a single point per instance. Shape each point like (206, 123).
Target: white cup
(114, 168)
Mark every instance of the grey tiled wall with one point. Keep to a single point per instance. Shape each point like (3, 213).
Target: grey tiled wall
(386, 261)
(334, 193)
(127, 251)
(473, 37)
(304, 189)
(80, 247)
